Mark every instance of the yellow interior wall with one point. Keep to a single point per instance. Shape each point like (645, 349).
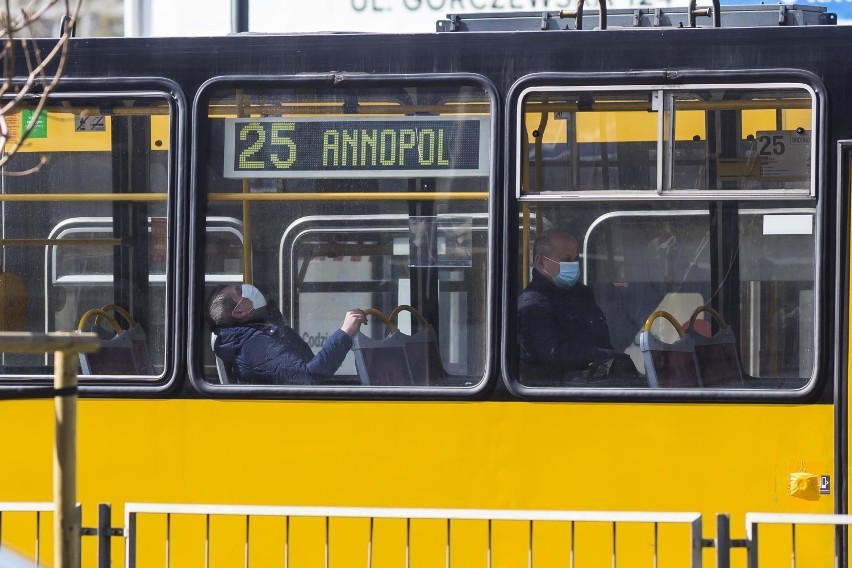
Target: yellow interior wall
(62, 136)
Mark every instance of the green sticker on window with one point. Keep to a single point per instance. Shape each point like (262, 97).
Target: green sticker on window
(40, 128)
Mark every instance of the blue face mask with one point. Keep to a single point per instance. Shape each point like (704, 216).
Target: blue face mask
(569, 273)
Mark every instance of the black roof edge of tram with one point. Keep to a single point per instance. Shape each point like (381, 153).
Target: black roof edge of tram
(742, 16)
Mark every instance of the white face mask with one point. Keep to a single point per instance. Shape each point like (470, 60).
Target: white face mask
(253, 295)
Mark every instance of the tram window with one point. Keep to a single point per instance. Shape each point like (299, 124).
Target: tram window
(640, 259)
(709, 292)
(585, 142)
(724, 139)
(87, 229)
(356, 197)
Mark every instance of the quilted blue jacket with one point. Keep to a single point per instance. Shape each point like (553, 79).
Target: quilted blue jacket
(262, 353)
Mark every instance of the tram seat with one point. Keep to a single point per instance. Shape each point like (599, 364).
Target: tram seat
(122, 351)
(221, 370)
(669, 365)
(422, 350)
(381, 362)
(399, 359)
(716, 355)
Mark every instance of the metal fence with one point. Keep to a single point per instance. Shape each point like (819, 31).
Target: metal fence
(35, 514)
(446, 518)
(797, 522)
(171, 534)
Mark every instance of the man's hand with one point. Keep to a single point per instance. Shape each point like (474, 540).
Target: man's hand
(352, 321)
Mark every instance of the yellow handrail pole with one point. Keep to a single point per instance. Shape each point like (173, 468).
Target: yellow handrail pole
(65, 347)
(525, 239)
(542, 124)
(331, 196)
(525, 157)
(356, 197)
(247, 268)
(242, 103)
(87, 197)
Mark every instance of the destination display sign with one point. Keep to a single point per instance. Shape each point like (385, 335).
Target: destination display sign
(356, 147)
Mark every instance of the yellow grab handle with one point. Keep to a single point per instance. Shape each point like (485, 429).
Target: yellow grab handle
(716, 315)
(101, 314)
(379, 314)
(120, 311)
(666, 315)
(415, 313)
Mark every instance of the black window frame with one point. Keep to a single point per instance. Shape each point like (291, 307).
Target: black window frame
(168, 91)
(198, 342)
(823, 372)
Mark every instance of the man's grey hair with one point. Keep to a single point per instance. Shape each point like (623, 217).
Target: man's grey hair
(544, 243)
(219, 307)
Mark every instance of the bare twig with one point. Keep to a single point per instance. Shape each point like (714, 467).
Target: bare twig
(19, 92)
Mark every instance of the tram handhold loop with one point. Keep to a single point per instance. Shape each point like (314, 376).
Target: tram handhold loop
(715, 12)
(578, 14)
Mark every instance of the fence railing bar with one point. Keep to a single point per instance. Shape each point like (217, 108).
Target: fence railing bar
(25, 507)
(407, 543)
(1, 528)
(327, 538)
(793, 540)
(571, 553)
(796, 518)
(400, 513)
(530, 547)
(206, 541)
(168, 540)
(488, 554)
(247, 541)
(370, 544)
(656, 544)
(38, 539)
(286, 542)
(614, 560)
(447, 560)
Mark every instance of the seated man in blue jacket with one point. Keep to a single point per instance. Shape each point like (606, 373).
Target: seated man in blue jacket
(257, 347)
(563, 334)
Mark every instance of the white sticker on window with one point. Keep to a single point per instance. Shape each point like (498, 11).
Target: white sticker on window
(788, 224)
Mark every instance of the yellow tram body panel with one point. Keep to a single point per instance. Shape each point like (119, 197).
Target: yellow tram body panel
(494, 455)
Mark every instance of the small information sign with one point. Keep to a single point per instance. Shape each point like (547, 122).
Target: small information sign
(40, 128)
(784, 154)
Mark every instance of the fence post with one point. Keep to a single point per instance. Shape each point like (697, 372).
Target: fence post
(130, 541)
(66, 528)
(104, 535)
(723, 541)
(752, 544)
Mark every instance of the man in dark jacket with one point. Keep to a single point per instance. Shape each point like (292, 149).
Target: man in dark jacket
(562, 332)
(258, 348)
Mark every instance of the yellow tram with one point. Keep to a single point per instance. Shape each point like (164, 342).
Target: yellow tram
(704, 172)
